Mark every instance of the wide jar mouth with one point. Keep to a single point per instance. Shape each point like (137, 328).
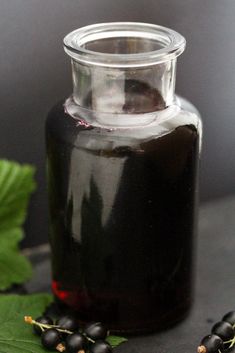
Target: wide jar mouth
(123, 44)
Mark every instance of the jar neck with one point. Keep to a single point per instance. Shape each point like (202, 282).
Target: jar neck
(124, 90)
(123, 71)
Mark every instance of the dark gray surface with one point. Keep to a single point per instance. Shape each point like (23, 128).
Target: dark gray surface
(215, 284)
(35, 73)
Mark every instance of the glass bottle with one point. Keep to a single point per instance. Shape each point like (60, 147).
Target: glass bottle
(122, 155)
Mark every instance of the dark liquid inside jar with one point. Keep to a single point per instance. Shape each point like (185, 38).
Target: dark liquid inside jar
(122, 218)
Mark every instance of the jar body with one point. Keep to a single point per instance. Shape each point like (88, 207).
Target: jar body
(122, 218)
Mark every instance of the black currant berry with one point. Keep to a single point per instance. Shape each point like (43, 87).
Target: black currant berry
(224, 330)
(230, 317)
(68, 322)
(50, 338)
(211, 344)
(42, 320)
(100, 347)
(96, 331)
(75, 343)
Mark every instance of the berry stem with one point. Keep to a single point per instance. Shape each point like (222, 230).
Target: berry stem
(232, 342)
(88, 338)
(29, 320)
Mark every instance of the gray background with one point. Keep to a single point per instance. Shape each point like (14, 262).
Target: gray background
(35, 73)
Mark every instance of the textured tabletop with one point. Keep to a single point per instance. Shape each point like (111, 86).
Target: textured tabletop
(215, 283)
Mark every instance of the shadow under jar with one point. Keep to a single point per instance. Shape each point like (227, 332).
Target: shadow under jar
(122, 155)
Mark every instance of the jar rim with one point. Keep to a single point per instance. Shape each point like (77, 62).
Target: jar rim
(172, 44)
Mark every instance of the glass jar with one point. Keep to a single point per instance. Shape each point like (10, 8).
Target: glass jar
(122, 154)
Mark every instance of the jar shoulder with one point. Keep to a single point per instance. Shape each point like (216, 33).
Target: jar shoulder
(187, 113)
(187, 106)
(69, 128)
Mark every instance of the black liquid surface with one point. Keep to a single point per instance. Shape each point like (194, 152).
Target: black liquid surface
(122, 223)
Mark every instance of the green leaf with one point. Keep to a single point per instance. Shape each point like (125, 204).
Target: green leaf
(15, 335)
(14, 267)
(16, 185)
(115, 341)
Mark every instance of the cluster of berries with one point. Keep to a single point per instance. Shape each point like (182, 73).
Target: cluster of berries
(222, 336)
(65, 335)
